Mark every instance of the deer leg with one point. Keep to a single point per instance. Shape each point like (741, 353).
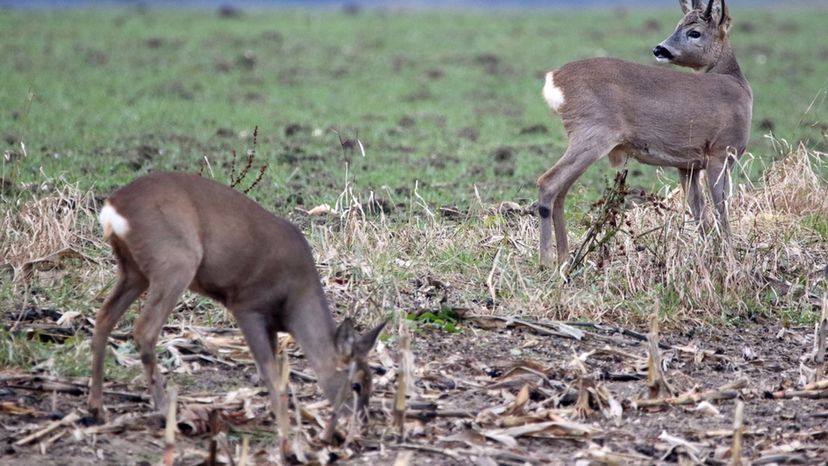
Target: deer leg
(718, 181)
(548, 192)
(553, 187)
(262, 343)
(130, 285)
(559, 220)
(692, 192)
(165, 287)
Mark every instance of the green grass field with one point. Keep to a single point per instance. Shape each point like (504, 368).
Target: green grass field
(449, 100)
(448, 109)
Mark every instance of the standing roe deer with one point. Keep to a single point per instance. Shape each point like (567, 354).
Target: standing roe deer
(658, 116)
(173, 231)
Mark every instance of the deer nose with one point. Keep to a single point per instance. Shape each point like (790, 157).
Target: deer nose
(662, 53)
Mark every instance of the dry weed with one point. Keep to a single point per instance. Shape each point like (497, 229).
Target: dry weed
(38, 233)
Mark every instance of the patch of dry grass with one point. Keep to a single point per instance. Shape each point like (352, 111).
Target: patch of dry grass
(484, 261)
(38, 234)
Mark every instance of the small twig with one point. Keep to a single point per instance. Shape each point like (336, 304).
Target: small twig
(442, 451)
(490, 278)
(404, 458)
(791, 458)
(738, 433)
(258, 178)
(810, 394)
(283, 414)
(67, 420)
(582, 407)
(822, 330)
(615, 329)
(402, 382)
(121, 422)
(818, 385)
(655, 374)
(244, 450)
(251, 155)
(725, 392)
(538, 327)
(297, 439)
(233, 168)
(45, 445)
(426, 415)
(169, 431)
(212, 452)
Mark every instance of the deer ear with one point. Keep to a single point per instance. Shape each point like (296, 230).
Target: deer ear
(716, 13)
(345, 337)
(367, 342)
(724, 16)
(688, 5)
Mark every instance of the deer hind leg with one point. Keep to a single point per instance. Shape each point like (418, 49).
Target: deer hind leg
(718, 181)
(554, 185)
(693, 194)
(131, 283)
(166, 284)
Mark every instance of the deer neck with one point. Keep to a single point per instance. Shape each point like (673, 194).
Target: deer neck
(727, 64)
(312, 326)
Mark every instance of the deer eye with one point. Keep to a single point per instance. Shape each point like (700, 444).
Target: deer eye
(357, 387)
(694, 34)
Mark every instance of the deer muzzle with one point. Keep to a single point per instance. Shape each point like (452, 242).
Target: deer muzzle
(663, 54)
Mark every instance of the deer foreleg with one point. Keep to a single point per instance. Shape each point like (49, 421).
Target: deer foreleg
(692, 192)
(718, 181)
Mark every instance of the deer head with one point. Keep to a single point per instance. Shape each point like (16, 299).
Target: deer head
(700, 37)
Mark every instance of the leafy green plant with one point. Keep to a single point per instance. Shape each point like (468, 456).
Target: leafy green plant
(445, 319)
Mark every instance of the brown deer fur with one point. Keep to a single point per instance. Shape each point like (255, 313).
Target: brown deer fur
(658, 116)
(173, 231)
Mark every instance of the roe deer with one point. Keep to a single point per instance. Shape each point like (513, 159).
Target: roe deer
(658, 116)
(173, 231)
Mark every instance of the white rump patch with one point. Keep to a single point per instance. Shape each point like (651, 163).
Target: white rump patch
(552, 93)
(112, 221)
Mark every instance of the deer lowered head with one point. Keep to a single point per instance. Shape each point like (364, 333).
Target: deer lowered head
(171, 232)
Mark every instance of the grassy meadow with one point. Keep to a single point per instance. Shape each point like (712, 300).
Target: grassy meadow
(448, 100)
(447, 107)
(415, 139)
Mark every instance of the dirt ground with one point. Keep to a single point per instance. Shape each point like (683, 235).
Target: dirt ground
(499, 392)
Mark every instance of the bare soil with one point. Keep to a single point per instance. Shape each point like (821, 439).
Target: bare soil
(468, 395)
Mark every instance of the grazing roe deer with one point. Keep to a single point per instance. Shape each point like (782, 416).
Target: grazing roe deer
(173, 231)
(658, 116)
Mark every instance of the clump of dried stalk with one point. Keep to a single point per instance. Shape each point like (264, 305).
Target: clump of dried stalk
(236, 179)
(38, 233)
(607, 222)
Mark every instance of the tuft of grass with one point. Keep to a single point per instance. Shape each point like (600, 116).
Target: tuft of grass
(29, 352)
(818, 222)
